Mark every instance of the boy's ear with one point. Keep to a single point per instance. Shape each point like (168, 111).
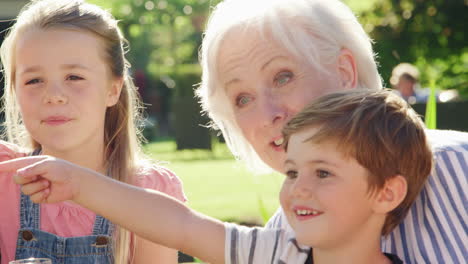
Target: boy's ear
(347, 69)
(115, 89)
(391, 195)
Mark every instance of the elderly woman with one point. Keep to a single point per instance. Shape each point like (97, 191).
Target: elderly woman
(264, 60)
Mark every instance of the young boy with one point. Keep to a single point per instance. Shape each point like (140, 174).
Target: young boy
(355, 162)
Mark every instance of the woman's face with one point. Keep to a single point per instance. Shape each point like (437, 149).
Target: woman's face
(266, 86)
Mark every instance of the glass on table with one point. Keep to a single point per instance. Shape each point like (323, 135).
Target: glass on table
(32, 261)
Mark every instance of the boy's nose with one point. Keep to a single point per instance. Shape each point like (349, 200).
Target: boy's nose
(302, 188)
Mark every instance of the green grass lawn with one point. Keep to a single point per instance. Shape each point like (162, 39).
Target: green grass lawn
(219, 186)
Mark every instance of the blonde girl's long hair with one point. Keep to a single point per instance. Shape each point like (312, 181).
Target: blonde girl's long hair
(122, 137)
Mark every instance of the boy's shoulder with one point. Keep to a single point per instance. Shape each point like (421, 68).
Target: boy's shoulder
(447, 140)
(257, 244)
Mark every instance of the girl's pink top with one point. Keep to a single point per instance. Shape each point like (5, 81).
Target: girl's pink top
(64, 219)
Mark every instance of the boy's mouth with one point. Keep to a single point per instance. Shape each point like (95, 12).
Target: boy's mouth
(304, 213)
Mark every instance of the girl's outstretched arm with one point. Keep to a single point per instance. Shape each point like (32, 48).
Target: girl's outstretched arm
(150, 214)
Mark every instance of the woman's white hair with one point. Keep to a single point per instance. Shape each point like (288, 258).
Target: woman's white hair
(316, 30)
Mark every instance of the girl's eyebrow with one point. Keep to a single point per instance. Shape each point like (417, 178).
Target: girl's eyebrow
(30, 69)
(75, 66)
(36, 68)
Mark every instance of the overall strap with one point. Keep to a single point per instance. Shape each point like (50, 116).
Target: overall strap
(102, 226)
(29, 212)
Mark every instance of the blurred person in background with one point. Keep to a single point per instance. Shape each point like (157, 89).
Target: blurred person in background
(405, 80)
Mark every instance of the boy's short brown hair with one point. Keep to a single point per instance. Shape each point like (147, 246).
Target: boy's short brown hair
(379, 130)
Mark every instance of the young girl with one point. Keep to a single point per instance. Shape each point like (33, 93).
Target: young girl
(68, 95)
(355, 162)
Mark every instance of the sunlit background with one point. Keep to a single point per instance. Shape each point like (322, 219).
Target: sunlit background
(164, 37)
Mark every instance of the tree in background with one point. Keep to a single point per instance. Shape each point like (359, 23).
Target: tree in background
(165, 36)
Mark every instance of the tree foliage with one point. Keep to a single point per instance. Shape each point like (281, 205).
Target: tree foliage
(165, 35)
(428, 33)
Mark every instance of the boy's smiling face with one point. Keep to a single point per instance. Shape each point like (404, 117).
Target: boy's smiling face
(325, 194)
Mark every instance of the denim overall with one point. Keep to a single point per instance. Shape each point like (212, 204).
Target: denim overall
(32, 242)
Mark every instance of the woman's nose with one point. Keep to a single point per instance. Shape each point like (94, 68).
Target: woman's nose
(275, 111)
(55, 95)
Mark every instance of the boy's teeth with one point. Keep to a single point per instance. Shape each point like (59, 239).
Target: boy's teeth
(306, 212)
(278, 142)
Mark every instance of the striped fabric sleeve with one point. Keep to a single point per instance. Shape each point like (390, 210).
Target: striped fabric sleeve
(435, 230)
(278, 220)
(245, 245)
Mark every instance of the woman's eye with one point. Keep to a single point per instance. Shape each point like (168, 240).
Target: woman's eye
(33, 81)
(291, 174)
(283, 78)
(322, 174)
(74, 78)
(243, 100)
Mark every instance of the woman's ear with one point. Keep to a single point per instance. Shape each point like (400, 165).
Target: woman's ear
(115, 89)
(347, 69)
(391, 195)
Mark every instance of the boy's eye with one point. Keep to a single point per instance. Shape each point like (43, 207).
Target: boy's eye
(242, 100)
(322, 174)
(283, 78)
(291, 174)
(74, 78)
(33, 81)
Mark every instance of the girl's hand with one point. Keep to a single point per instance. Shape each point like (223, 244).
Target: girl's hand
(45, 179)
